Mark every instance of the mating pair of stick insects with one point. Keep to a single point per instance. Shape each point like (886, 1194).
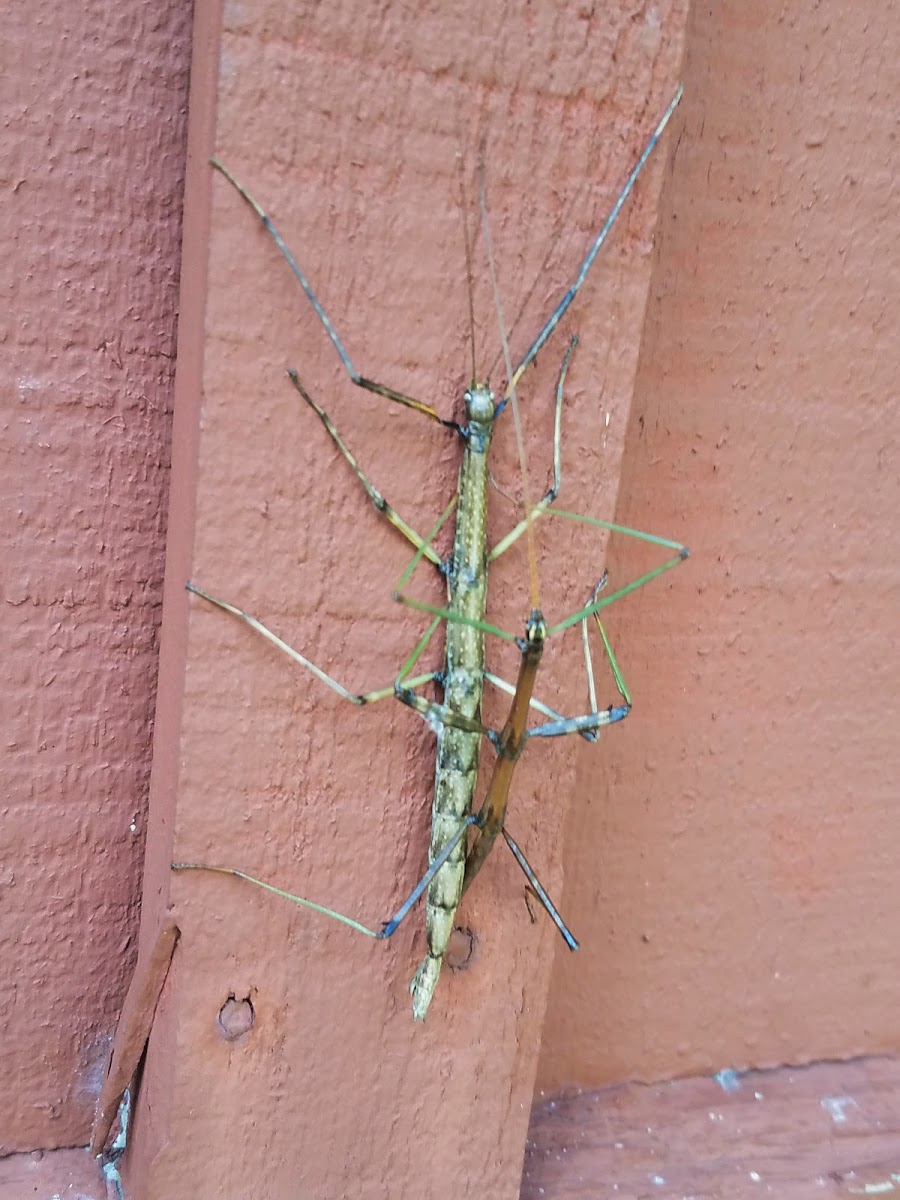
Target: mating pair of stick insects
(454, 862)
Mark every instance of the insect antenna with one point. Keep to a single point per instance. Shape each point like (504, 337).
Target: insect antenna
(517, 420)
(559, 229)
(464, 213)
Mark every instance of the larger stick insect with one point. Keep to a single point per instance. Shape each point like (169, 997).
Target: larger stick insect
(453, 865)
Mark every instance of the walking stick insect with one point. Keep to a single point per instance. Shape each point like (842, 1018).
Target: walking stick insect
(457, 720)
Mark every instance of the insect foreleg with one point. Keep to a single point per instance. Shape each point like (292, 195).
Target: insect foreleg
(298, 273)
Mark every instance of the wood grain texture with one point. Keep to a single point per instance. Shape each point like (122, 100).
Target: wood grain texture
(828, 1129)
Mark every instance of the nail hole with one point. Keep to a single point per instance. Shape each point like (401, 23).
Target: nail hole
(235, 1018)
(461, 949)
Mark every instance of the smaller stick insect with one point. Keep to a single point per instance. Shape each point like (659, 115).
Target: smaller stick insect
(456, 720)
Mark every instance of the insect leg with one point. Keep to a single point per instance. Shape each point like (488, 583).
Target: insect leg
(553, 491)
(387, 929)
(589, 724)
(355, 377)
(381, 505)
(358, 698)
(563, 306)
(539, 891)
(595, 605)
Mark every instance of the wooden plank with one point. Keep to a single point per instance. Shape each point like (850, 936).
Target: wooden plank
(827, 1129)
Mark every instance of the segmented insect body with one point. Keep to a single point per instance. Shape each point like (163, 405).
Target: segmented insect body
(456, 770)
(510, 745)
(458, 750)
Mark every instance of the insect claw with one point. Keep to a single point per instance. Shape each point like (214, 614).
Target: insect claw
(598, 587)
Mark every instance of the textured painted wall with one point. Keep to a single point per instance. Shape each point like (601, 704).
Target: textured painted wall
(94, 99)
(735, 865)
(731, 847)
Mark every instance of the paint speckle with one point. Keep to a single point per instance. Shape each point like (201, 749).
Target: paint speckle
(728, 1079)
(836, 1107)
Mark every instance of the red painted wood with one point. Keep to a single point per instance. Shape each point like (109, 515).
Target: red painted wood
(347, 127)
(829, 1129)
(733, 868)
(92, 145)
